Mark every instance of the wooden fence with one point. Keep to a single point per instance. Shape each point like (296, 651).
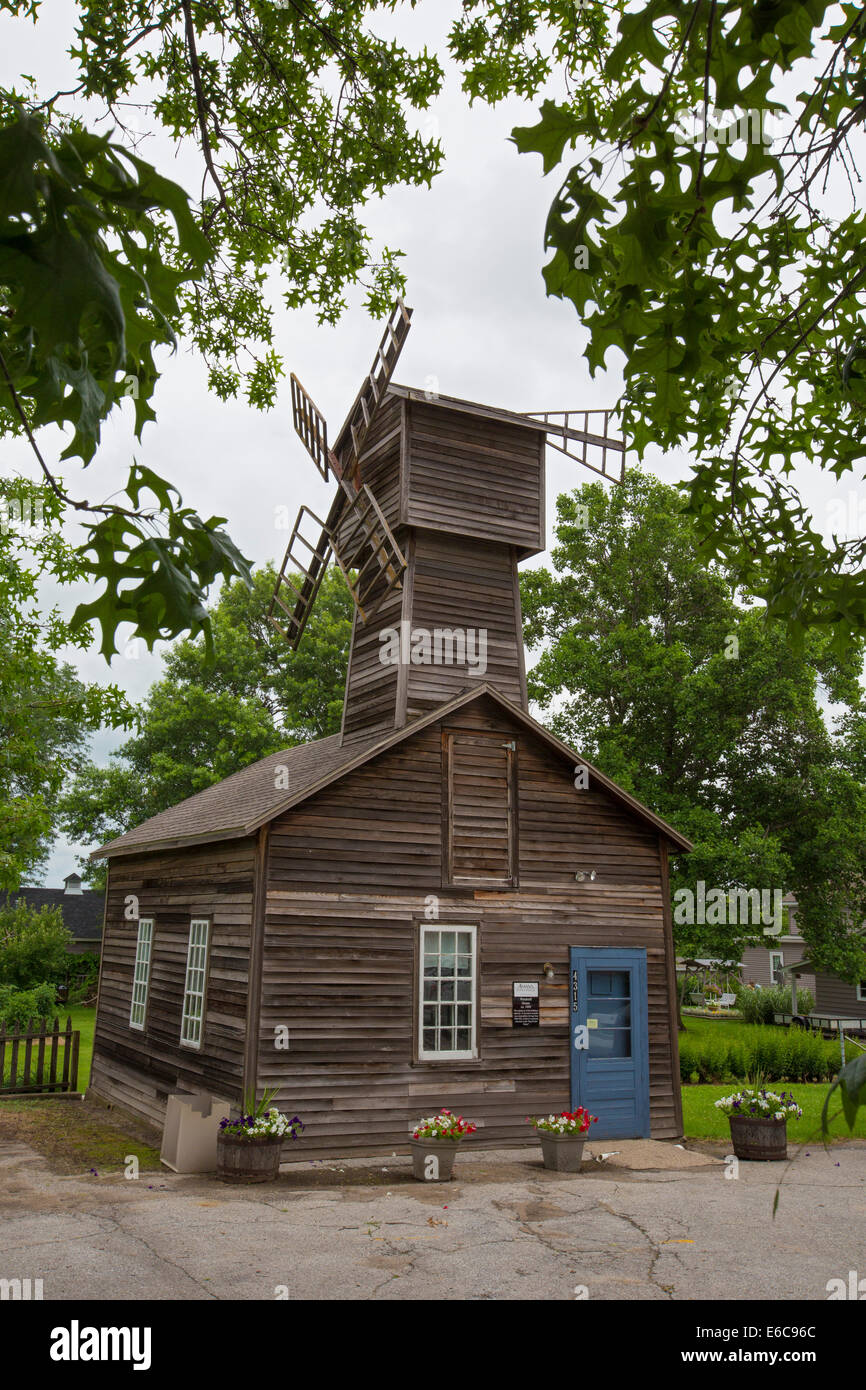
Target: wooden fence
(38, 1062)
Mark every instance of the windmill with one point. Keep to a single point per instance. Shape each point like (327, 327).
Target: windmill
(356, 532)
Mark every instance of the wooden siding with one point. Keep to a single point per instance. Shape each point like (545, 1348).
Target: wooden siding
(461, 583)
(448, 583)
(480, 808)
(135, 1068)
(835, 996)
(371, 685)
(352, 874)
(475, 477)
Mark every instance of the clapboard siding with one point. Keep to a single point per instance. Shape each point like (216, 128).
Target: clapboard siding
(138, 1068)
(351, 875)
(470, 586)
(475, 477)
(835, 996)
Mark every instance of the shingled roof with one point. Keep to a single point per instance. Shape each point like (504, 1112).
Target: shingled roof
(82, 912)
(241, 803)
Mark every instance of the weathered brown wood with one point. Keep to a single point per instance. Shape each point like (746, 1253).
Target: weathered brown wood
(471, 818)
(172, 887)
(671, 978)
(256, 954)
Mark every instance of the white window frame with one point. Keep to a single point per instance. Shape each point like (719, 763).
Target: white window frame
(141, 974)
(195, 983)
(774, 968)
(435, 1055)
(861, 992)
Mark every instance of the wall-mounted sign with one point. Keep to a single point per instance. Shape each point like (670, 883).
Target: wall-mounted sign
(524, 1005)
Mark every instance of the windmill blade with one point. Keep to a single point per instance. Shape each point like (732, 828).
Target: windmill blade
(300, 585)
(350, 440)
(311, 426)
(596, 443)
(363, 541)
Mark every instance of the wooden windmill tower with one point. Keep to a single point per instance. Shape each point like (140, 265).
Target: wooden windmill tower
(437, 501)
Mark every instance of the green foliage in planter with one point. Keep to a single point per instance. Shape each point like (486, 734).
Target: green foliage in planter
(781, 1054)
(759, 1005)
(19, 1005)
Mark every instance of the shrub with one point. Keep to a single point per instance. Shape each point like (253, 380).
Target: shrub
(33, 945)
(759, 1005)
(18, 1006)
(83, 977)
(779, 1054)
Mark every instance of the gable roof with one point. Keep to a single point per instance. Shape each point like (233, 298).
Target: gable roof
(240, 804)
(82, 912)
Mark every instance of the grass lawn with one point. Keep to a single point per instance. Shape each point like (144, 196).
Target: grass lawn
(710, 1029)
(78, 1136)
(82, 1019)
(701, 1119)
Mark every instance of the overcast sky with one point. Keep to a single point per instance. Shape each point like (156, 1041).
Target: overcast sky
(482, 326)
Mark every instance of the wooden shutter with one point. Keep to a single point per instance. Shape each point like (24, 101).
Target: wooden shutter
(481, 797)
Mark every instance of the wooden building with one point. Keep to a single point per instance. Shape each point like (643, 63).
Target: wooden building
(442, 905)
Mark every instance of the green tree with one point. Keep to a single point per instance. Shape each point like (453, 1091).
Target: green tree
(33, 944)
(299, 117)
(707, 230)
(205, 719)
(46, 712)
(697, 704)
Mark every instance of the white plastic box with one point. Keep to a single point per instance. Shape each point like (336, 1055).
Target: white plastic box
(189, 1139)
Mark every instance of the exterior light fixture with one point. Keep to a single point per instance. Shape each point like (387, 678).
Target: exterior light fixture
(548, 970)
(582, 875)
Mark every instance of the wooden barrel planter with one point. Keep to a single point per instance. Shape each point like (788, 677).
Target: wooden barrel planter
(755, 1137)
(248, 1160)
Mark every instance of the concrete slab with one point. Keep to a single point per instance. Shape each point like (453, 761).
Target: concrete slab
(504, 1229)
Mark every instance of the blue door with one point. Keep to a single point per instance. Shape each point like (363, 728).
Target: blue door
(609, 1040)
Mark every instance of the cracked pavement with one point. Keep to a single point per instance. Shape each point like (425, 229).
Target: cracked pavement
(652, 1222)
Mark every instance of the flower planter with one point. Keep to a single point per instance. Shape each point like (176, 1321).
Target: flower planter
(563, 1153)
(248, 1160)
(759, 1138)
(433, 1159)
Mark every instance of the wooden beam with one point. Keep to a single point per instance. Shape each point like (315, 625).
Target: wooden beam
(257, 945)
(671, 978)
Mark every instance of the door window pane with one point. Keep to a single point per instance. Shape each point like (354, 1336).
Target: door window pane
(609, 1003)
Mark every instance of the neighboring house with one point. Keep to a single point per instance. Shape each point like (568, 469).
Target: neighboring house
(764, 965)
(442, 905)
(82, 909)
(836, 1001)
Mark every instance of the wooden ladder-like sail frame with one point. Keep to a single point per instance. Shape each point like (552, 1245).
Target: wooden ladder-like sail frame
(356, 532)
(562, 430)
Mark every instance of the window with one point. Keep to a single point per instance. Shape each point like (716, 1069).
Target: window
(777, 960)
(193, 993)
(141, 973)
(861, 992)
(447, 993)
(481, 791)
